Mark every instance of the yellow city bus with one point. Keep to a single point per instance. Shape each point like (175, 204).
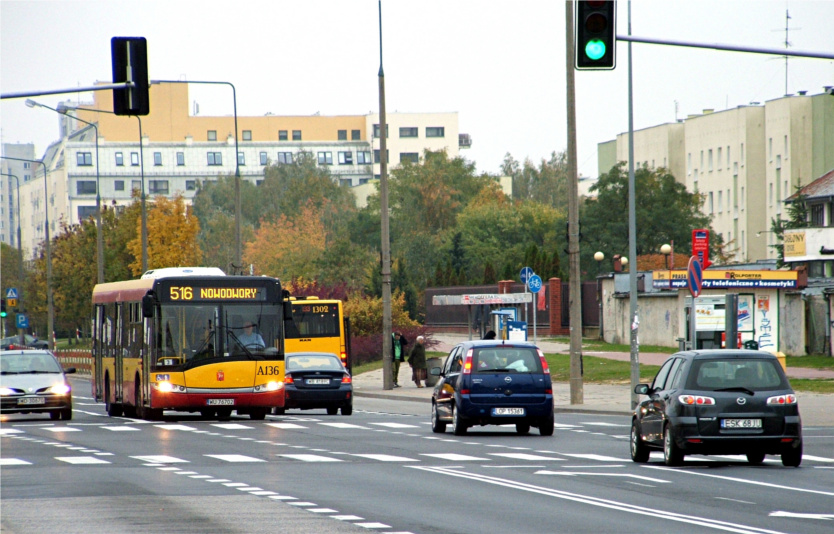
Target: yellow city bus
(318, 325)
(183, 340)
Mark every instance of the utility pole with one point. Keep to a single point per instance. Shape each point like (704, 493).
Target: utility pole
(387, 377)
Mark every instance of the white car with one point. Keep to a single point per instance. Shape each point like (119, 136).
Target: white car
(33, 381)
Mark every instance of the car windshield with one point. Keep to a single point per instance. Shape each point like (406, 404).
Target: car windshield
(752, 374)
(32, 362)
(506, 359)
(316, 361)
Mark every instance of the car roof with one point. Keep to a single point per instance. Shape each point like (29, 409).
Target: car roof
(291, 354)
(28, 352)
(481, 343)
(723, 354)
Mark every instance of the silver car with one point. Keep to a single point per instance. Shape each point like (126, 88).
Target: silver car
(33, 381)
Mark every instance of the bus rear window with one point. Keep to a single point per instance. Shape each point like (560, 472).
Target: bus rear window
(314, 320)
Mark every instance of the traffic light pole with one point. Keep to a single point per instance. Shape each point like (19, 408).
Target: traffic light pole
(731, 48)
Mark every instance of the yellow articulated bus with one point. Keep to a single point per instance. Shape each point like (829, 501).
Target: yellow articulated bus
(180, 339)
(319, 325)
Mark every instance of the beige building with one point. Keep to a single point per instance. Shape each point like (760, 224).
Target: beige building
(179, 150)
(746, 161)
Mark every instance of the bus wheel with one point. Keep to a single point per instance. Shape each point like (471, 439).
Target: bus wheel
(257, 414)
(113, 409)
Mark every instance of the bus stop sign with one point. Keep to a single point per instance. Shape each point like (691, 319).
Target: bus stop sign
(694, 276)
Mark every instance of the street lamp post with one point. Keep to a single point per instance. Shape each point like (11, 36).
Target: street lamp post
(666, 249)
(63, 109)
(238, 262)
(99, 240)
(599, 256)
(20, 259)
(50, 305)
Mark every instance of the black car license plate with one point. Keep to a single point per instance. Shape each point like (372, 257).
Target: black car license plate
(741, 423)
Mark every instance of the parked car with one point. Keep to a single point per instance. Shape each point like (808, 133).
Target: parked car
(31, 341)
(493, 382)
(33, 381)
(316, 380)
(723, 401)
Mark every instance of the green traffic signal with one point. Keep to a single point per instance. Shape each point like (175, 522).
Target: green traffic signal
(595, 49)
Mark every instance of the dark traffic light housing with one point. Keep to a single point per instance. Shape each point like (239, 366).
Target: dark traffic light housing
(3, 308)
(130, 64)
(595, 34)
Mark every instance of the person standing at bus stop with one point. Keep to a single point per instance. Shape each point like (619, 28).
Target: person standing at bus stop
(417, 361)
(398, 354)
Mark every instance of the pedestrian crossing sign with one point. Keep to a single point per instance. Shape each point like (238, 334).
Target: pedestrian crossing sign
(11, 293)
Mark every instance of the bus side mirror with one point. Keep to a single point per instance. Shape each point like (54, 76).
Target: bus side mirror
(287, 310)
(147, 306)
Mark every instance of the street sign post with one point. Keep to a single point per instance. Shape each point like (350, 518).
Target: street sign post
(694, 282)
(526, 273)
(535, 285)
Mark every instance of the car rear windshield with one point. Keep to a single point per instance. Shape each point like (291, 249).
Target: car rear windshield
(753, 374)
(506, 359)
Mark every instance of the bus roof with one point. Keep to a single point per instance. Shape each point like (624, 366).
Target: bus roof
(183, 271)
(122, 291)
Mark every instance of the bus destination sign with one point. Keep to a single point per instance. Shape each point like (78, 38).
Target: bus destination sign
(194, 294)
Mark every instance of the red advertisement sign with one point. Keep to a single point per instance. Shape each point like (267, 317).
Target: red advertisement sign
(700, 246)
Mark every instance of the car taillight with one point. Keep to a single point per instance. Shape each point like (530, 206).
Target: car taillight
(782, 399)
(346, 380)
(467, 362)
(545, 368)
(288, 379)
(696, 400)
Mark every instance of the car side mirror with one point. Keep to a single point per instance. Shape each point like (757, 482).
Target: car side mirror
(642, 389)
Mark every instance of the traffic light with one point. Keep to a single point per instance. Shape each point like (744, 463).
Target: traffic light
(130, 64)
(3, 310)
(595, 34)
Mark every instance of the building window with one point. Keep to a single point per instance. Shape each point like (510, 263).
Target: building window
(435, 131)
(376, 131)
(719, 158)
(158, 187)
(741, 200)
(120, 159)
(296, 135)
(720, 201)
(247, 135)
(710, 202)
(356, 135)
(241, 158)
(86, 212)
(215, 158)
(325, 158)
(212, 135)
(376, 156)
(136, 185)
(741, 157)
(345, 158)
(408, 132)
(85, 187)
(191, 185)
(818, 215)
(770, 194)
(282, 135)
(157, 158)
(411, 157)
(786, 147)
(709, 160)
(779, 161)
(342, 135)
(119, 185)
(264, 158)
(770, 149)
(285, 158)
(728, 156)
(134, 159)
(180, 159)
(84, 159)
(363, 157)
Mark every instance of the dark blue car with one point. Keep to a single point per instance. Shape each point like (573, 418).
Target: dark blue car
(493, 383)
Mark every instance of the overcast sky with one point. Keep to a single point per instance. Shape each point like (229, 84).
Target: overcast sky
(499, 64)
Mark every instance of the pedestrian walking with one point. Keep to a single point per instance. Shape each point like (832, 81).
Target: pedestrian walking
(417, 361)
(398, 354)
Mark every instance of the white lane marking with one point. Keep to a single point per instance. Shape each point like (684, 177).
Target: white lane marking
(232, 426)
(310, 458)
(236, 485)
(262, 493)
(825, 517)
(396, 425)
(81, 460)
(302, 503)
(250, 488)
(529, 457)
(8, 431)
(373, 525)
(13, 461)
(218, 480)
(457, 457)
(597, 474)
(603, 503)
(743, 481)
(63, 429)
(597, 457)
(120, 428)
(284, 425)
(282, 497)
(344, 426)
(385, 458)
(234, 458)
(734, 500)
(176, 427)
(347, 517)
(323, 510)
(816, 458)
(185, 472)
(160, 459)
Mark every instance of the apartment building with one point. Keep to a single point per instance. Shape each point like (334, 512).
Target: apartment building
(13, 172)
(745, 161)
(179, 150)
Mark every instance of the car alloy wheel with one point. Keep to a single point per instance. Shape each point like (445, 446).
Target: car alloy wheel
(457, 422)
(639, 450)
(437, 426)
(672, 454)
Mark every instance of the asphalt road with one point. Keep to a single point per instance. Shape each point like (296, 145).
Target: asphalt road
(383, 470)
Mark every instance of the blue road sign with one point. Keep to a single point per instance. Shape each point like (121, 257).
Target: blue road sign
(694, 276)
(11, 293)
(22, 320)
(535, 283)
(526, 273)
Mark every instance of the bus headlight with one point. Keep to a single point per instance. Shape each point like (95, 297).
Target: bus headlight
(167, 387)
(269, 386)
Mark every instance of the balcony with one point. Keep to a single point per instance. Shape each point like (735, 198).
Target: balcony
(464, 141)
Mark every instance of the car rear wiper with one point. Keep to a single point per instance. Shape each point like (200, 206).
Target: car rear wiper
(738, 388)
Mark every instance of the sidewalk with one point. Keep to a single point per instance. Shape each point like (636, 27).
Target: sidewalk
(603, 399)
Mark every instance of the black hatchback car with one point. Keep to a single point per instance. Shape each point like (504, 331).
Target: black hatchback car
(316, 380)
(493, 383)
(718, 402)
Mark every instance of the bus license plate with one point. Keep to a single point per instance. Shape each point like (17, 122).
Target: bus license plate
(508, 411)
(741, 423)
(318, 381)
(31, 400)
(220, 402)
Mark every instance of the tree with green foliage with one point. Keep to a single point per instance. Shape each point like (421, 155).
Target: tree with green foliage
(546, 184)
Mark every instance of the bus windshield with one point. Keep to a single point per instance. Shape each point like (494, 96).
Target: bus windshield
(189, 332)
